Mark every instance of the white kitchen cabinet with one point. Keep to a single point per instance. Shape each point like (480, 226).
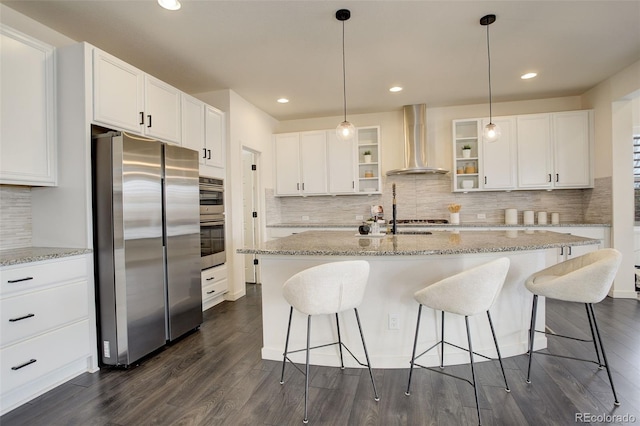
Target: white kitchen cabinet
(203, 131)
(555, 150)
(341, 164)
(45, 332)
(28, 111)
(129, 99)
(466, 147)
(369, 171)
(597, 232)
(498, 159)
(214, 286)
(301, 163)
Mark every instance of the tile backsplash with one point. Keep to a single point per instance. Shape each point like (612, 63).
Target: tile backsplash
(15, 217)
(427, 197)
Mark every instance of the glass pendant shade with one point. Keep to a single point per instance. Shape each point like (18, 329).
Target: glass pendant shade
(345, 131)
(170, 4)
(492, 132)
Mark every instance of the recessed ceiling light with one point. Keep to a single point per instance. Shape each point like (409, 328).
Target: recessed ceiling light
(528, 75)
(396, 89)
(283, 100)
(170, 4)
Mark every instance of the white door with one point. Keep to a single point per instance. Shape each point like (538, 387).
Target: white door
(287, 161)
(193, 125)
(250, 213)
(572, 148)
(534, 151)
(162, 110)
(313, 162)
(499, 157)
(341, 164)
(214, 137)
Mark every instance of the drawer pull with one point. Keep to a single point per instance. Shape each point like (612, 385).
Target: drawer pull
(18, 367)
(210, 278)
(21, 318)
(211, 291)
(19, 280)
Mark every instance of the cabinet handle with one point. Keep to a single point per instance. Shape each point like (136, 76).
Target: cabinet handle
(210, 278)
(204, 153)
(211, 291)
(303, 186)
(18, 367)
(149, 117)
(208, 154)
(353, 184)
(298, 186)
(485, 180)
(549, 177)
(557, 177)
(569, 250)
(19, 280)
(141, 117)
(21, 318)
(561, 251)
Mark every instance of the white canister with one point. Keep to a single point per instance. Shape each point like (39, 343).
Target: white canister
(454, 218)
(542, 218)
(528, 217)
(511, 216)
(555, 218)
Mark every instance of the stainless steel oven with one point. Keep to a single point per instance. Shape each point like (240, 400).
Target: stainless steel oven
(212, 229)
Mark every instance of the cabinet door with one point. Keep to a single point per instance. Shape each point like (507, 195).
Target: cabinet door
(313, 162)
(572, 149)
(162, 118)
(498, 160)
(287, 163)
(534, 151)
(27, 120)
(341, 165)
(193, 125)
(214, 137)
(118, 93)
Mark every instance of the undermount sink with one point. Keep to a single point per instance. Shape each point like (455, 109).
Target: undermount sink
(413, 233)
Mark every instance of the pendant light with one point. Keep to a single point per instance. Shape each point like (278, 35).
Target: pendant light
(491, 131)
(345, 130)
(170, 4)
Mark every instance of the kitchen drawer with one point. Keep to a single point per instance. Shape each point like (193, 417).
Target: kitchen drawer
(50, 351)
(211, 275)
(33, 313)
(14, 279)
(214, 290)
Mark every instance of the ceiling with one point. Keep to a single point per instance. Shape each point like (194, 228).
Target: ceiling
(435, 50)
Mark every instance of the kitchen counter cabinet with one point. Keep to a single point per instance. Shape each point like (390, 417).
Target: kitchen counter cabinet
(28, 121)
(214, 286)
(400, 266)
(47, 326)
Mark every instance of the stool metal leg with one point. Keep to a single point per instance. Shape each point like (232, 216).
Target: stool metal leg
(306, 374)
(413, 356)
(286, 347)
(493, 332)
(442, 342)
(339, 342)
(593, 336)
(604, 356)
(366, 354)
(473, 371)
(532, 333)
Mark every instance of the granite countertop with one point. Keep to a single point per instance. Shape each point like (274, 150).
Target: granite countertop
(436, 225)
(349, 243)
(34, 254)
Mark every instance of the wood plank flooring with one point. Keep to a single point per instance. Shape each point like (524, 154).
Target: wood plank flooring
(215, 376)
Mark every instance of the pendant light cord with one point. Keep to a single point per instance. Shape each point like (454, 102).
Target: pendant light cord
(344, 77)
(489, 61)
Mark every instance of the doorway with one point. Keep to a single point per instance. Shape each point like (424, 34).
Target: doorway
(250, 207)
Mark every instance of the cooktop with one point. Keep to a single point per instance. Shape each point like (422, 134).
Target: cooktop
(418, 221)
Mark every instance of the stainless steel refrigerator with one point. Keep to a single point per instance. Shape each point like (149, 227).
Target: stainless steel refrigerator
(147, 244)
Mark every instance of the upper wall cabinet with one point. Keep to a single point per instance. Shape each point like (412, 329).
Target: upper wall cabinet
(555, 150)
(301, 163)
(27, 112)
(203, 131)
(129, 99)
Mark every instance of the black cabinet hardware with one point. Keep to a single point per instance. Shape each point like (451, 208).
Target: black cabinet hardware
(485, 180)
(149, 117)
(208, 154)
(557, 177)
(210, 278)
(21, 318)
(211, 291)
(141, 117)
(549, 177)
(18, 367)
(204, 153)
(20, 280)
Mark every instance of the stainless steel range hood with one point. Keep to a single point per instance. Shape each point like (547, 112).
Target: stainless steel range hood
(415, 143)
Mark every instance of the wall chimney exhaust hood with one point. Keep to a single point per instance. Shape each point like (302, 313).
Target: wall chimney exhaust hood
(415, 143)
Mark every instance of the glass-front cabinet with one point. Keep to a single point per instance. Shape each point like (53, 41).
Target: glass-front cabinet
(368, 159)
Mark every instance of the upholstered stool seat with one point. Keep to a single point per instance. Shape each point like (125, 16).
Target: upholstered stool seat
(467, 293)
(330, 288)
(583, 279)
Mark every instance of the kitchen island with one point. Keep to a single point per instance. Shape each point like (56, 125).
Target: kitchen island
(401, 265)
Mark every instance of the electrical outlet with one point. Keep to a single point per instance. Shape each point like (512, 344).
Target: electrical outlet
(481, 216)
(394, 322)
(305, 217)
(359, 217)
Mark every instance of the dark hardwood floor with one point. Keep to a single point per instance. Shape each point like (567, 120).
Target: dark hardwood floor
(215, 376)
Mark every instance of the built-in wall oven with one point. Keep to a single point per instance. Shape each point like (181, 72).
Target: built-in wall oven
(212, 241)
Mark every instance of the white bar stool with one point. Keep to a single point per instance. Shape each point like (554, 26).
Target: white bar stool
(584, 279)
(330, 288)
(467, 293)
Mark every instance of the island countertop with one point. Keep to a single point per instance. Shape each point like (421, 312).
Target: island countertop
(349, 243)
